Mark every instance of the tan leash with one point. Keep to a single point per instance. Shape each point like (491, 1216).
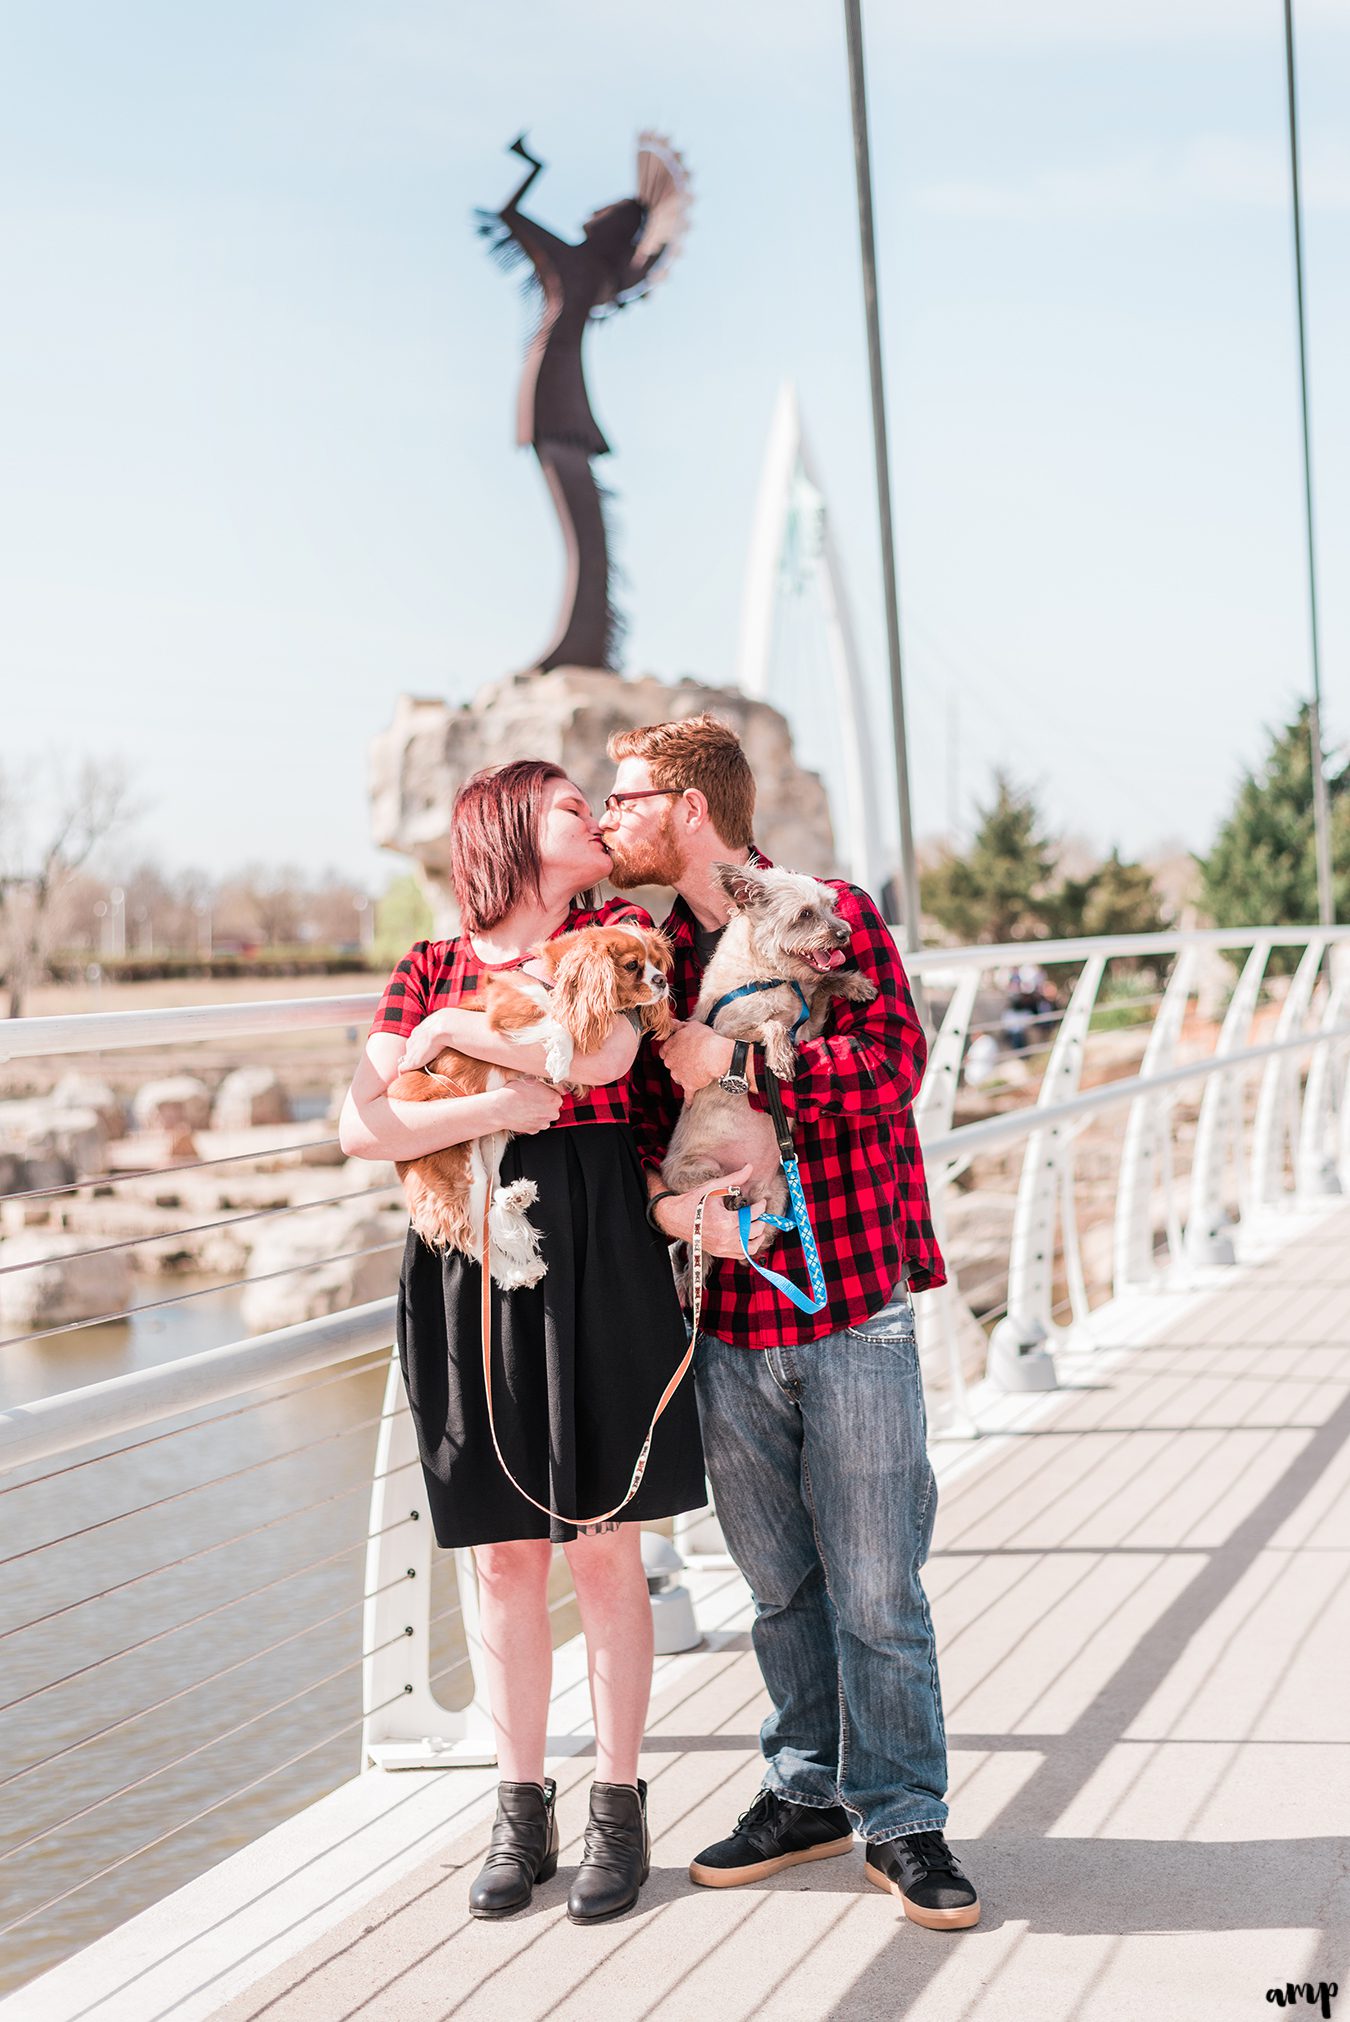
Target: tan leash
(696, 1278)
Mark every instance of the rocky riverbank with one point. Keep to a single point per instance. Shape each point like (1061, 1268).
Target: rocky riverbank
(185, 1176)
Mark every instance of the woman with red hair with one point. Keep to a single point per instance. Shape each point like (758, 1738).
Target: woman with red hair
(584, 1354)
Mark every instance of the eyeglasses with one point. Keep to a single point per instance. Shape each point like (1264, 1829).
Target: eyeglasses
(614, 802)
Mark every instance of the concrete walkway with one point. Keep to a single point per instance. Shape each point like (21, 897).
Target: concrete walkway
(1141, 1597)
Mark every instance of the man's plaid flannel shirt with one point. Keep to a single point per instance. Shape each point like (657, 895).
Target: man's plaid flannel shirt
(861, 1166)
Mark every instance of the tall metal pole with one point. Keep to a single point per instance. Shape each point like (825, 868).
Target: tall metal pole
(862, 161)
(1326, 905)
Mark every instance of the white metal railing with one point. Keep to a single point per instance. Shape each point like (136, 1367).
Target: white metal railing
(109, 1031)
(1297, 1144)
(1287, 1123)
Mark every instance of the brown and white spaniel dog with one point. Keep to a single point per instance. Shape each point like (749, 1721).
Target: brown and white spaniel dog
(594, 976)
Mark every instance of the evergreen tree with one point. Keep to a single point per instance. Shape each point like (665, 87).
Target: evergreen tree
(1118, 897)
(998, 890)
(1262, 868)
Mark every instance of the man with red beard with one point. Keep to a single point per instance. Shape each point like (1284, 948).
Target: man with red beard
(813, 1423)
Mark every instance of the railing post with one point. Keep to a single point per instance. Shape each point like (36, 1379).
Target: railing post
(1018, 1356)
(939, 1315)
(406, 1727)
(1147, 1126)
(1218, 1133)
(1316, 1166)
(1276, 1129)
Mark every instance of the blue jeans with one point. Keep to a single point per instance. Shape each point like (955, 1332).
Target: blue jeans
(819, 1467)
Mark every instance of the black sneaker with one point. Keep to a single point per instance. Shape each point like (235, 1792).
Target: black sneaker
(924, 1873)
(771, 1836)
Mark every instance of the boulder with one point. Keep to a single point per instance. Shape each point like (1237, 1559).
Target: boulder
(55, 1286)
(87, 1091)
(55, 1145)
(567, 716)
(311, 1248)
(249, 1096)
(178, 1104)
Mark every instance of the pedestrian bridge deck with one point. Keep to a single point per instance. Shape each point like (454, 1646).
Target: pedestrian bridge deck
(1140, 1591)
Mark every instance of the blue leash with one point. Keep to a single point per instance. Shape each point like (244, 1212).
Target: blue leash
(799, 1219)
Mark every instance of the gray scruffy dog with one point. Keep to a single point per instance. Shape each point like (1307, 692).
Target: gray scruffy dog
(784, 929)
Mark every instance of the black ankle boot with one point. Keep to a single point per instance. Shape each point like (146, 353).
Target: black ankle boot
(523, 1849)
(617, 1855)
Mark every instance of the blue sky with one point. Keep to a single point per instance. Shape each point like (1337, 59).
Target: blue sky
(258, 473)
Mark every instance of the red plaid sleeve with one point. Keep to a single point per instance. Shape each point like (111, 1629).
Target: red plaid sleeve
(407, 994)
(872, 1057)
(653, 1105)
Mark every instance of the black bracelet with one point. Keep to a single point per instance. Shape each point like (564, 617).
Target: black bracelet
(669, 1194)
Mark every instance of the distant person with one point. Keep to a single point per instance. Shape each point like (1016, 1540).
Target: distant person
(1026, 999)
(584, 1354)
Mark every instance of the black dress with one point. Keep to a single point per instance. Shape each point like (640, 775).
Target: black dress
(579, 1360)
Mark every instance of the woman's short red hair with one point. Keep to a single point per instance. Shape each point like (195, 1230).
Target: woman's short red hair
(494, 840)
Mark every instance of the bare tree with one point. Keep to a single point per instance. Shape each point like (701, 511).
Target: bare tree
(266, 902)
(337, 911)
(52, 819)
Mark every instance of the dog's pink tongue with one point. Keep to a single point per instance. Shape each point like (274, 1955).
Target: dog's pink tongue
(835, 959)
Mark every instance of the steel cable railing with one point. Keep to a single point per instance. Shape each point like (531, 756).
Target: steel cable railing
(211, 1678)
(35, 1433)
(229, 1221)
(195, 1488)
(172, 1565)
(166, 1172)
(197, 1425)
(159, 1635)
(206, 1812)
(189, 1754)
(201, 1292)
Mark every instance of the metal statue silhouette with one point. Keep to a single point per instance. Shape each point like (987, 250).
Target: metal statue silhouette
(625, 249)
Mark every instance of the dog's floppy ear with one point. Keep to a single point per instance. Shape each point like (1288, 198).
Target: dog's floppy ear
(742, 884)
(586, 993)
(659, 949)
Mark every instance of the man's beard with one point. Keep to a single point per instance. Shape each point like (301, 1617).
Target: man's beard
(657, 861)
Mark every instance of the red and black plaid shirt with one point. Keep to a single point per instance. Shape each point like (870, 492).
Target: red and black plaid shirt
(861, 1167)
(437, 975)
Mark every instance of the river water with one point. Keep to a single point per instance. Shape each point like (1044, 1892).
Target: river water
(73, 1526)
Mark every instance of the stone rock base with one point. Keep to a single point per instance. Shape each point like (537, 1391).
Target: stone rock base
(418, 764)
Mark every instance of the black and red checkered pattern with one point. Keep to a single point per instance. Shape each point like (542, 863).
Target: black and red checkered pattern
(437, 975)
(861, 1166)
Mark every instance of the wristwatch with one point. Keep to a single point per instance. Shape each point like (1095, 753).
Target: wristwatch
(736, 1081)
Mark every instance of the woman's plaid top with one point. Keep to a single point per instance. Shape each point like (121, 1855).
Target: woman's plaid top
(437, 975)
(861, 1166)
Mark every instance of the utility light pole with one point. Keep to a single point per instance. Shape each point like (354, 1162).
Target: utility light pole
(1326, 903)
(862, 162)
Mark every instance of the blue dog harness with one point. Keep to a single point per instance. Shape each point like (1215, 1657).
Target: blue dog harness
(749, 990)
